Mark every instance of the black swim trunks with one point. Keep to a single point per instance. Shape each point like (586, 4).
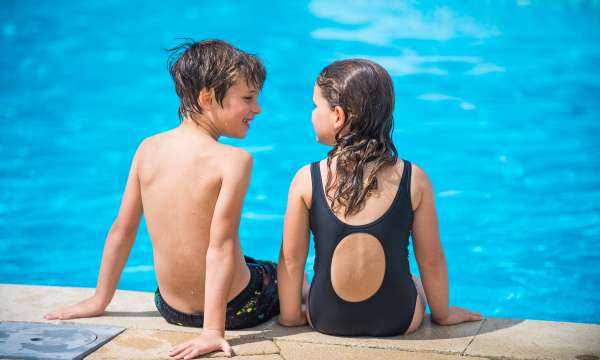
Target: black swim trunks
(257, 303)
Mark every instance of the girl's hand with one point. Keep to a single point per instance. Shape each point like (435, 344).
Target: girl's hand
(207, 342)
(87, 308)
(458, 315)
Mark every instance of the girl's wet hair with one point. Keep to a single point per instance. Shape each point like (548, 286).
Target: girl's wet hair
(364, 90)
(210, 64)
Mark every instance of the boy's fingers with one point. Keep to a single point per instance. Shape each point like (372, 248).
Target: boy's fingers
(181, 354)
(70, 315)
(177, 350)
(192, 354)
(227, 349)
(182, 346)
(67, 315)
(184, 354)
(55, 315)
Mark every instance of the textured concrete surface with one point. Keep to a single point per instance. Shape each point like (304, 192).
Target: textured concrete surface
(291, 350)
(540, 339)
(148, 336)
(150, 344)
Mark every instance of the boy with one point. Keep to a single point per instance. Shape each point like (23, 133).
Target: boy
(190, 188)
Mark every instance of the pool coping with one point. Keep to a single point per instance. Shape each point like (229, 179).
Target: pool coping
(148, 336)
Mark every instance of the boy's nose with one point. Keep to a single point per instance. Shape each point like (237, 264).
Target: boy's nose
(256, 109)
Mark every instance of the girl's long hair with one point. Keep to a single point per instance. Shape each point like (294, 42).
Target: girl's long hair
(364, 90)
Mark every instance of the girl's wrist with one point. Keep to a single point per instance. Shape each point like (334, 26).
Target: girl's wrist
(440, 318)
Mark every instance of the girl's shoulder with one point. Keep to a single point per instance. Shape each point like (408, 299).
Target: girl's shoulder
(419, 185)
(419, 178)
(301, 185)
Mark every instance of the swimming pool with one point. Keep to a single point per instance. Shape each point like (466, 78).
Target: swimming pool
(498, 103)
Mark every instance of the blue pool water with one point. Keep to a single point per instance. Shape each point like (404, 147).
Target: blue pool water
(499, 103)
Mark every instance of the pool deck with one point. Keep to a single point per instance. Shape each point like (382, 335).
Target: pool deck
(148, 336)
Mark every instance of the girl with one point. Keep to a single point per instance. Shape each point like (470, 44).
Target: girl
(361, 204)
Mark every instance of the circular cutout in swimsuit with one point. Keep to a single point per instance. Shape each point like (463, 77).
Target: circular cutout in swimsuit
(357, 267)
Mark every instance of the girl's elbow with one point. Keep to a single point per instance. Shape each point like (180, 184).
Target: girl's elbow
(292, 262)
(433, 261)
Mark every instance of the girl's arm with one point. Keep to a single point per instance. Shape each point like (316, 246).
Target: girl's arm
(430, 255)
(116, 251)
(294, 250)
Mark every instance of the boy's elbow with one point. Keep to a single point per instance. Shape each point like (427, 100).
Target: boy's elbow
(222, 250)
(120, 234)
(125, 225)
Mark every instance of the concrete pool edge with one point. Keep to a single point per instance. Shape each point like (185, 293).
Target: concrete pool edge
(148, 336)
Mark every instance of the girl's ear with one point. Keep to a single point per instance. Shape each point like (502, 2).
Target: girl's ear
(205, 99)
(340, 118)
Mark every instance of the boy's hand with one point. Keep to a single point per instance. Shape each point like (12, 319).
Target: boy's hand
(458, 315)
(207, 342)
(87, 308)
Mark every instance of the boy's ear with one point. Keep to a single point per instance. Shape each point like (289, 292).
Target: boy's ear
(340, 118)
(206, 98)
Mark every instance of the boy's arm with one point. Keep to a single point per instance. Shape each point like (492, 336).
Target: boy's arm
(430, 255)
(294, 250)
(220, 259)
(220, 255)
(116, 250)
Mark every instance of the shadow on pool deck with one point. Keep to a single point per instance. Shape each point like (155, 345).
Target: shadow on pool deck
(426, 332)
(149, 336)
(133, 313)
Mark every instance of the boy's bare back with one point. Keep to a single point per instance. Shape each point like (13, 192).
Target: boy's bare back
(180, 174)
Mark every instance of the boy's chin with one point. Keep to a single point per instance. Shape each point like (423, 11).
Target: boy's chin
(237, 134)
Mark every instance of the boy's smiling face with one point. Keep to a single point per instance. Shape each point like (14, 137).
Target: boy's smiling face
(240, 105)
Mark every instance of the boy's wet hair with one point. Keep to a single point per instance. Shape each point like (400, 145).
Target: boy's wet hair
(364, 90)
(210, 64)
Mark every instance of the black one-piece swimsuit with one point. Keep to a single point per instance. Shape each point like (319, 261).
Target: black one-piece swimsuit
(390, 310)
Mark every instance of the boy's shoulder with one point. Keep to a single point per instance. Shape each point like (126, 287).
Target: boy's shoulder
(233, 161)
(234, 153)
(222, 152)
(155, 140)
(231, 156)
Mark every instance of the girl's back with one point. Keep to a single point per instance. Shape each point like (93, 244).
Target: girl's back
(362, 283)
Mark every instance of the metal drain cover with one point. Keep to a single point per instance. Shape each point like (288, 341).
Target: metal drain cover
(20, 340)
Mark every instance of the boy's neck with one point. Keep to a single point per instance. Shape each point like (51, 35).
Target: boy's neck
(200, 124)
